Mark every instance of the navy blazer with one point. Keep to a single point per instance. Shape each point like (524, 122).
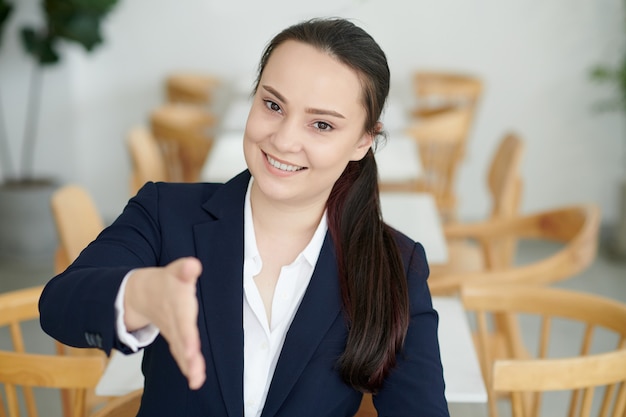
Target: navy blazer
(167, 221)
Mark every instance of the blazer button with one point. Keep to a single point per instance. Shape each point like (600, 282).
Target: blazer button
(93, 339)
(98, 340)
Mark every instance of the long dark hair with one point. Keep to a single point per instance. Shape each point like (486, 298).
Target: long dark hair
(371, 273)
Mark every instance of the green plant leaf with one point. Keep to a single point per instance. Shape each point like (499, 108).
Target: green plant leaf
(615, 76)
(601, 73)
(100, 7)
(83, 29)
(77, 20)
(40, 46)
(5, 11)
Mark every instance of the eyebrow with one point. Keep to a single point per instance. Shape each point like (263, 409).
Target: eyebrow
(308, 109)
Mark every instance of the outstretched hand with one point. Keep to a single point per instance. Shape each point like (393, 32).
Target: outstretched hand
(166, 298)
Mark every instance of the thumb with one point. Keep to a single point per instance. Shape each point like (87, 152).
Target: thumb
(186, 269)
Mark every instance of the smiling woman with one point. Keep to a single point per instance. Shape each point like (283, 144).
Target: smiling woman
(306, 116)
(282, 291)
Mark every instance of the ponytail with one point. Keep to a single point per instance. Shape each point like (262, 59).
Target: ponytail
(372, 278)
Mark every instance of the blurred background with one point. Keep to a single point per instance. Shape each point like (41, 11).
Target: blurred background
(534, 59)
(533, 62)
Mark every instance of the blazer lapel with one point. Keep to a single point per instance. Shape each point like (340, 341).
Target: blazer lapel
(318, 310)
(220, 245)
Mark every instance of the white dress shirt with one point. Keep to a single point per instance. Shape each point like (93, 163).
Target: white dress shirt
(263, 340)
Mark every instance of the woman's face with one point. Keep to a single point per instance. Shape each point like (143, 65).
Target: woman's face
(305, 124)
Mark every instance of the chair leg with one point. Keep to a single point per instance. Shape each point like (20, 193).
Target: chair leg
(2, 408)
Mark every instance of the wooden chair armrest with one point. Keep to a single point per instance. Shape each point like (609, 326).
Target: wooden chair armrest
(518, 226)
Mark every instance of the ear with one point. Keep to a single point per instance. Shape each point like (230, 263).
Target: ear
(365, 143)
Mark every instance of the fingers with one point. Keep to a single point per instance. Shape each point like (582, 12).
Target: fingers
(166, 297)
(186, 269)
(185, 342)
(195, 366)
(153, 294)
(185, 348)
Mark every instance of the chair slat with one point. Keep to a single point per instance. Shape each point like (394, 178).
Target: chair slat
(546, 325)
(23, 370)
(578, 247)
(586, 371)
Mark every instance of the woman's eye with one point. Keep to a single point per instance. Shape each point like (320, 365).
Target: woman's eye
(272, 105)
(322, 126)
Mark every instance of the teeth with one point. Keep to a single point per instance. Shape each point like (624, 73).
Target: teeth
(282, 167)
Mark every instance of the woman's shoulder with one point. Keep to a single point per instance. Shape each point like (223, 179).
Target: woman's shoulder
(186, 190)
(405, 244)
(195, 192)
(412, 253)
(174, 194)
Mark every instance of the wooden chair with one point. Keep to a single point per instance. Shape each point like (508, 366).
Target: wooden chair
(146, 158)
(504, 179)
(182, 132)
(23, 370)
(441, 91)
(190, 88)
(574, 229)
(596, 360)
(123, 406)
(78, 222)
(504, 183)
(441, 148)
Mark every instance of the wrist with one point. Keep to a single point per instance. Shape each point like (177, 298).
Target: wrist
(134, 300)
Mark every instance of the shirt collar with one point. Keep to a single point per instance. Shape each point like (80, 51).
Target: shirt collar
(251, 251)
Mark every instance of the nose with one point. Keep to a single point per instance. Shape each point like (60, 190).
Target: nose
(287, 136)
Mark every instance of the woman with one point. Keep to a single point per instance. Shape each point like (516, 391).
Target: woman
(281, 292)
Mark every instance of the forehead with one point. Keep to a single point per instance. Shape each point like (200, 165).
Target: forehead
(300, 71)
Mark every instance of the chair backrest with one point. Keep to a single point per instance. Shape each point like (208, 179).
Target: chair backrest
(440, 91)
(441, 147)
(123, 406)
(146, 158)
(78, 222)
(592, 355)
(190, 88)
(182, 132)
(504, 181)
(575, 228)
(19, 368)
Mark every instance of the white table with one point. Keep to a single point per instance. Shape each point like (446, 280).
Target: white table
(461, 369)
(396, 115)
(464, 383)
(226, 157)
(416, 215)
(398, 158)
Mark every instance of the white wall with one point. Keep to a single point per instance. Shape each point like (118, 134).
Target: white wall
(534, 57)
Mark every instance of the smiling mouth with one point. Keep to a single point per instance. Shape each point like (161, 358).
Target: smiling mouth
(283, 167)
